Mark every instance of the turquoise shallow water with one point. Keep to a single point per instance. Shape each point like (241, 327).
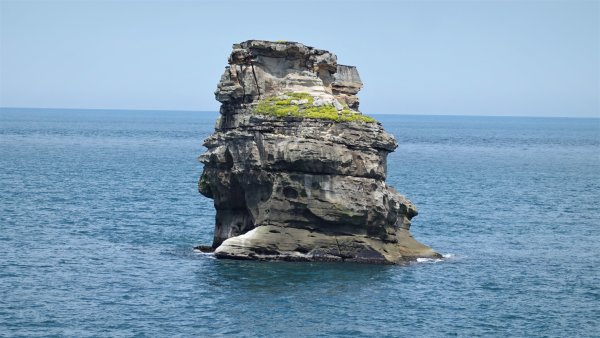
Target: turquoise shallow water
(99, 213)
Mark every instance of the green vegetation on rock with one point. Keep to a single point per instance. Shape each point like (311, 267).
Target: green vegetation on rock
(300, 104)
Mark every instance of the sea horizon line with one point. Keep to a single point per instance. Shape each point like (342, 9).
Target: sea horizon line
(216, 112)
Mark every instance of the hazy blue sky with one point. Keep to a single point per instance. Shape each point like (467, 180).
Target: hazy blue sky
(538, 58)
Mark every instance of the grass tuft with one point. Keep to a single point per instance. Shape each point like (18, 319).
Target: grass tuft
(282, 106)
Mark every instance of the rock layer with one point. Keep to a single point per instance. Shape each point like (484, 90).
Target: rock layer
(292, 187)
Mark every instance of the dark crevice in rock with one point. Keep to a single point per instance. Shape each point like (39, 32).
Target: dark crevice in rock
(241, 80)
(297, 172)
(302, 250)
(255, 80)
(313, 173)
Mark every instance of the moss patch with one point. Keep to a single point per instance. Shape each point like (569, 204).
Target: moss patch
(299, 104)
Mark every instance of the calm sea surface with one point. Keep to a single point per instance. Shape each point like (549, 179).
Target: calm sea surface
(99, 212)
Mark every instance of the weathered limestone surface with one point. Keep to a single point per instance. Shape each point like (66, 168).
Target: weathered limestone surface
(301, 189)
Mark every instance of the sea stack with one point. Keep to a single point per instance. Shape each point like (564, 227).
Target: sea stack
(296, 172)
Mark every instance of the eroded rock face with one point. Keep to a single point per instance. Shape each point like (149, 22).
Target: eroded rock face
(297, 188)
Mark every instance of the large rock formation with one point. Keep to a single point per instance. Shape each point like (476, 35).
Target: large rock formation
(295, 171)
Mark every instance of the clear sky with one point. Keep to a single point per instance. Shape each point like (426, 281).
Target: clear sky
(532, 58)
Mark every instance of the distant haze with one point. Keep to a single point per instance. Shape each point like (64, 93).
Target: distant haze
(527, 58)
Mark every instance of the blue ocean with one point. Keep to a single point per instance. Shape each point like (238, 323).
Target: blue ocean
(99, 214)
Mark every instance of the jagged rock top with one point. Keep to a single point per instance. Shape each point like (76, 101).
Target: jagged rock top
(264, 69)
(313, 58)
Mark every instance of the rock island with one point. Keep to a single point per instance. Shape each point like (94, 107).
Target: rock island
(296, 172)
